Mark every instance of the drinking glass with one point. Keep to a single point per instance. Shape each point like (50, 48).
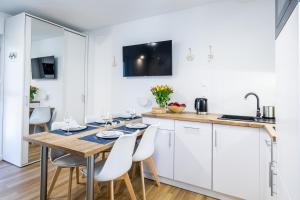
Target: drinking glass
(67, 120)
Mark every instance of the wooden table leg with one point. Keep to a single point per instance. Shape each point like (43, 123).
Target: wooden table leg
(90, 178)
(44, 173)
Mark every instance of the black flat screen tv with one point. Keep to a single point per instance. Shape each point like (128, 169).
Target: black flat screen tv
(43, 68)
(150, 59)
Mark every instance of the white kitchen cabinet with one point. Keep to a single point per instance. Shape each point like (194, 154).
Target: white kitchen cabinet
(193, 153)
(236, 166)
(164, 147)
(268, 171)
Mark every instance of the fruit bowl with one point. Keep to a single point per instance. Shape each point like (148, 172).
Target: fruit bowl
(176, 107)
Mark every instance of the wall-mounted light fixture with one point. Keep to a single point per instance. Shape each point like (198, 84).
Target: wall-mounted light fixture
(190, 57)
(12, 56)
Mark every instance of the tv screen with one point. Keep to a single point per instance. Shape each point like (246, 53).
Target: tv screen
(43, 68)
(150, 59)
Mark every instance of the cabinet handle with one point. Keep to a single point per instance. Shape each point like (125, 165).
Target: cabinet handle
(170, 142)
(188, 127)
(268, 143)
(216, 139)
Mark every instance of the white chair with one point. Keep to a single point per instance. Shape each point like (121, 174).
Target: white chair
(143, 153)
(117, 165)
(40, 117)
(64, 160)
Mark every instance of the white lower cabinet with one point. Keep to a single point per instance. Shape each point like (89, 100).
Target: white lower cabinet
(164, 147)
(236, 166)
(268, 169)
(223, 159)
(193, 153)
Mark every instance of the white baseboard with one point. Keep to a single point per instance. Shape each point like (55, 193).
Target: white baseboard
(192, 188)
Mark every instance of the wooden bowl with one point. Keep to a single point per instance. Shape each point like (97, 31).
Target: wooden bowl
(158, 110)
(176, 109)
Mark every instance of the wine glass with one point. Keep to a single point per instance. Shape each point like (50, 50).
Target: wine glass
(67, 120)
(108, 119)
(132, 113)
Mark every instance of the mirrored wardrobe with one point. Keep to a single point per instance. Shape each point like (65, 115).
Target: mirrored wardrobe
(45, 67)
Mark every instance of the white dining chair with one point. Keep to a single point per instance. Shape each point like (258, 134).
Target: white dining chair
(143, 154)
(117, 165)
(64, 160)
(40, 117)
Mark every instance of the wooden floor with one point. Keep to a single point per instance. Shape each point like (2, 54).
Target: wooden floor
(23, 183)
(33, 152)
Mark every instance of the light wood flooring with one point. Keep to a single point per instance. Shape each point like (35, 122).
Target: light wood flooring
(23, 183)
(33, 152)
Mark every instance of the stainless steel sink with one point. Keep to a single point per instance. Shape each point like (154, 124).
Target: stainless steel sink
(246, 118)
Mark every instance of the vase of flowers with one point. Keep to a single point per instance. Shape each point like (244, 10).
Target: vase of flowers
(33, 91)
(162, 96)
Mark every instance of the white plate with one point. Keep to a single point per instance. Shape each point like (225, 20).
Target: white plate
(109, 134)
(77, 128)
(136, 125)
(125, 116)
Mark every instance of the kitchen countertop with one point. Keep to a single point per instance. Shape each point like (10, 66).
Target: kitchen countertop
(213, 118)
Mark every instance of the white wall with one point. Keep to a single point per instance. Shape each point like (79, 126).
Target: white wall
(2, 21)
(242, 36)
(288, 108)
(50, 91)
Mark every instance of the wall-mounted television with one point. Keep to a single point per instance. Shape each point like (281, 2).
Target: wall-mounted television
(150, 59)
(43, 68)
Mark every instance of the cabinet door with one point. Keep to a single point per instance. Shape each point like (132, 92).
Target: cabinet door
(193, 153)
(164, 147)
(267, 167)
(164, 153)
(74, 75)
(283, 11)
(236, 161)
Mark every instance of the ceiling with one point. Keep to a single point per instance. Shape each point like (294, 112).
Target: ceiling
(85, 15)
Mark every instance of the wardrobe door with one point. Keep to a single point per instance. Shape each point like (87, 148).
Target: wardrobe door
(74, 75)
(16, 87)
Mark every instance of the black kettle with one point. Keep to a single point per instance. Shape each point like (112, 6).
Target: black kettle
(201, 106)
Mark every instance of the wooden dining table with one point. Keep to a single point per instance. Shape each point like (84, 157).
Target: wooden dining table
(72, 144)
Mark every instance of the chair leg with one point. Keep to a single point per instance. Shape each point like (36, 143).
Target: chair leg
(152, 167)
(97, 187)
(103, 155)
(54, 179)
(77, 175)
(111, 190)
(118, 186)
(46, 129)
(129, 187)
(142, 179)
(133, 170)
(70, 183)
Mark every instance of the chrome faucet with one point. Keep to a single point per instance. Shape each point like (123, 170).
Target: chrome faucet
(258, 114)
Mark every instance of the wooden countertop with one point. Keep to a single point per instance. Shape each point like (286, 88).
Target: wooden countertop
(213, 118)
(73, 144)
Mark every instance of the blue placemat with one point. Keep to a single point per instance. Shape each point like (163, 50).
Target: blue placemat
(62, 132)
(125, 119)
(128, 130)
(94, 138)
(102, 124)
